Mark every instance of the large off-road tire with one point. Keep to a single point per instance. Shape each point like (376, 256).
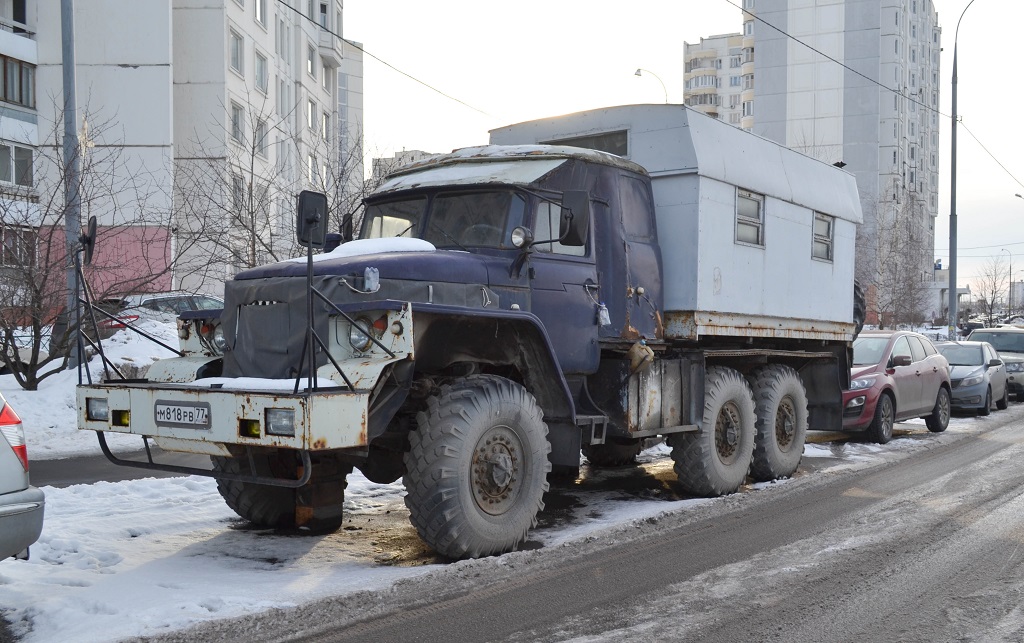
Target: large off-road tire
(885, 416)
(939, 419)
(1004, 402)
(986, 406)
(780, 404)
(613, 454)
(315, 508)
(860, 309)
(477, 465)
(714, 460)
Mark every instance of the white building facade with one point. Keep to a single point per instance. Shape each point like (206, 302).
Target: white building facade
(212, 106)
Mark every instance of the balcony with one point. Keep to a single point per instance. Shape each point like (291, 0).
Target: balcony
(330, 49)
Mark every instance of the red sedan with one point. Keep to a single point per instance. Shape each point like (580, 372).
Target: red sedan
(896, 375)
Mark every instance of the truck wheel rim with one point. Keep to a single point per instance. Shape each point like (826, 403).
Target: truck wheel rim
(727, 432)
(495, 476)
(785, 423)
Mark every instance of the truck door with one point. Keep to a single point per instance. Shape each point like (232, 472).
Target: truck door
(563, 287)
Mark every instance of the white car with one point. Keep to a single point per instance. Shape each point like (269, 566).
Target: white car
(21, 504)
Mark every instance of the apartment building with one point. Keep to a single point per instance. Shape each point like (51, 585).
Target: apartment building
(720, 78)
(199, 123)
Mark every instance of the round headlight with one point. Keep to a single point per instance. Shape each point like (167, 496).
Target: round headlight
(357, 338)
(218, 339)
(521, 237)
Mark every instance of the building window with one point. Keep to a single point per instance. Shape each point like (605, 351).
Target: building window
(823, 231)
(237, 193)
(325, 126)
(19, 246)
(310, 168)
(237, 123)
(750, 217)
(237, 52)
(323, 15)
(311, 115)
(261, 137)
(19, 82)
(16, 165)
(262, 75)
(311, 60)
(282, 97)
(259, 8)
(748, 108)
(748, 81)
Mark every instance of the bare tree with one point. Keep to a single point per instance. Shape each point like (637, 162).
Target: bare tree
(902, 292)
(239, 206)
(34, 257)
(990, 284)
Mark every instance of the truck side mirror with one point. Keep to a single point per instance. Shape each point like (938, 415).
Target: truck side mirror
(311, 221)
(575, 219)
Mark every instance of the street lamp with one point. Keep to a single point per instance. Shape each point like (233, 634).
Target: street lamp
(637, 73)
(952, 194)
(1009, 303)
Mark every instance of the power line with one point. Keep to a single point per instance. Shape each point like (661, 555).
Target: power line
(992, 156)
(872, 80)
(383, 62)
(841, 64)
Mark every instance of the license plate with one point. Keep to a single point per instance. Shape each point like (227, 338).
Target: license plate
(184, 415)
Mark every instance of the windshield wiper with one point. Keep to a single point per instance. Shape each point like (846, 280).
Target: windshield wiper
(448, 236)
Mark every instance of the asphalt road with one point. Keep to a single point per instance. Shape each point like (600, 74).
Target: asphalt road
(925, 548)
(89, 469)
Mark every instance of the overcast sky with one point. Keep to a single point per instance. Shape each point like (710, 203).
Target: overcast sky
(542, 58)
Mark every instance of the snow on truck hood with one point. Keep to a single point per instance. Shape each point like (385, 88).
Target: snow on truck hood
(361, 247)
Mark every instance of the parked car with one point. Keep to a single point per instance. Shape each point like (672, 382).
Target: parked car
(895, 376)
(161, 306)
(1009, 342)
(978, 376)
(21, 504)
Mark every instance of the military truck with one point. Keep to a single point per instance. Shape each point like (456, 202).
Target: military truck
(507, 307)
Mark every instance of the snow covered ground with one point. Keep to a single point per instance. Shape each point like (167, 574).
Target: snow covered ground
(150, 556)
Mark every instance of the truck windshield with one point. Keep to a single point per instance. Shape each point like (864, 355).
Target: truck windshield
(452, 220)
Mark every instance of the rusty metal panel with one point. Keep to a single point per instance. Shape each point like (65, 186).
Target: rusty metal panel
(671, 393)
(693, 325)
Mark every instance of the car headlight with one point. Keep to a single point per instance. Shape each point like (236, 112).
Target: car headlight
(862, 382)
(1014, 367)
(972, 380)
(218, 339)
(356, 337)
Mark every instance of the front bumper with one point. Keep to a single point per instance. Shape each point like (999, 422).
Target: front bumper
(858, 409)
(969, 398)
(324, 419)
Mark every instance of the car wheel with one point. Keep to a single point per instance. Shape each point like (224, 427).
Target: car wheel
(885, 414)
(939, 419)
(986, 407)
(1004, 402)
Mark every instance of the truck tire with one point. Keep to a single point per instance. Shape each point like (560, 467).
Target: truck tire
(477, 466)
(613, 454)
(939, 419)
(282, 508)
(714, 461)
(780, 404)
(860, 308)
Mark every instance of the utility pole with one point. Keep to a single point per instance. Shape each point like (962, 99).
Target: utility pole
(72, 197)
